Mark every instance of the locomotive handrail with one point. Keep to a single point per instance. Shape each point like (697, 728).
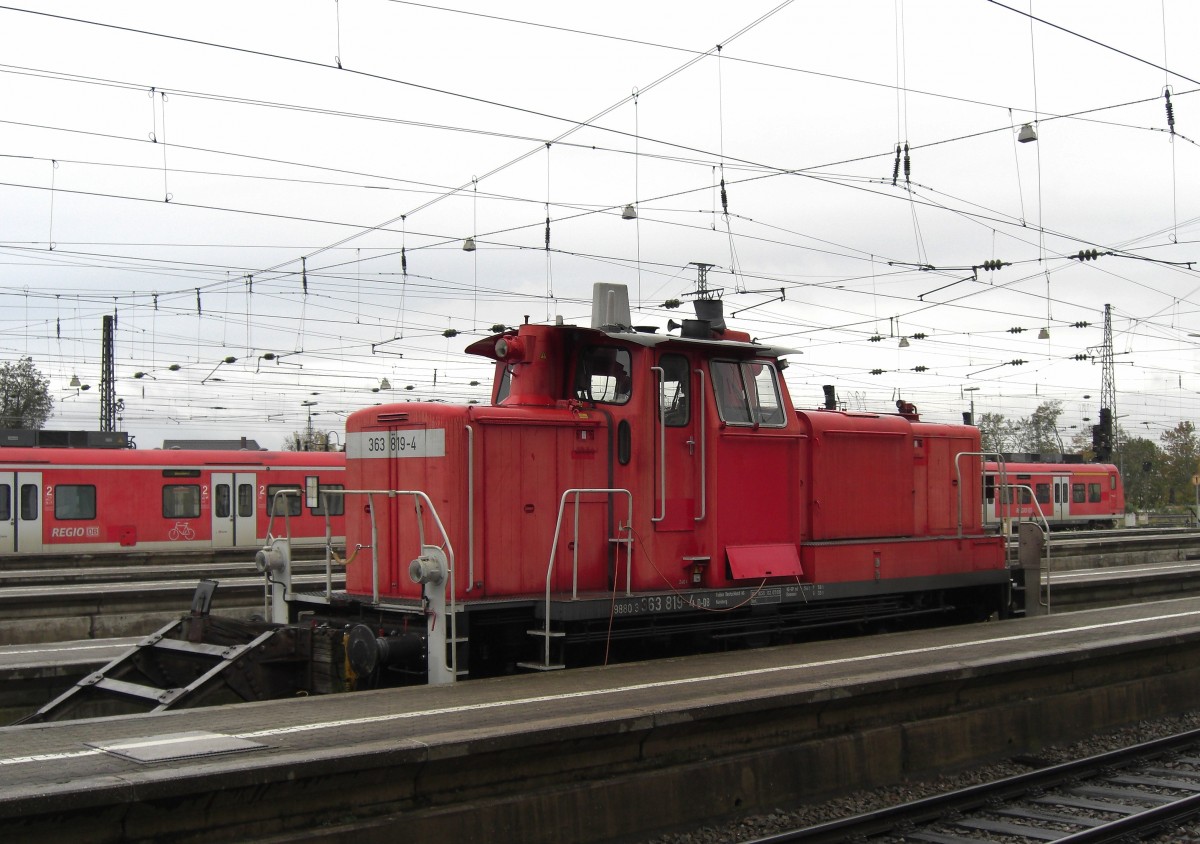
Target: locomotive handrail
(418, 496)
(1045, 534)
(703, 450)
(628, 526)
(958, 481)
(662, 443)
(470, 507)
(287, 522)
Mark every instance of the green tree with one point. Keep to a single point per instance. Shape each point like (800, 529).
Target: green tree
(992, 431)
(1142, 462)
(1181, 448)
(1038, 432)
(25, 400)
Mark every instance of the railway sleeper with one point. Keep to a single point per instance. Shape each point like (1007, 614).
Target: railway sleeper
(205, 660)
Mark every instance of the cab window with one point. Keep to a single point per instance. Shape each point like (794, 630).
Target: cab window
(602, 375)
(673, 391)
(747, 393)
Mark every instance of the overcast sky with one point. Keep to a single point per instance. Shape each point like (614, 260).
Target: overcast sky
(211, 175)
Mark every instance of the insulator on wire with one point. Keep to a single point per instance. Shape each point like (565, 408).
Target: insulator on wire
(403, 261)
(724, 199)
(907, 164)
(1088, 254)
(304, 275)
(1170, 112)
(199, 311)
(896, 166)
(547, 234)
(993, 264)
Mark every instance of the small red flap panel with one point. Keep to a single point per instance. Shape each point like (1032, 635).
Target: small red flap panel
(749, 562)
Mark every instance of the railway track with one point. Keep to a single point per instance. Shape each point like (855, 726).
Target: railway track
(1122, 795)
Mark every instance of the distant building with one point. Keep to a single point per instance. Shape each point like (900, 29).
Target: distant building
(242, 444)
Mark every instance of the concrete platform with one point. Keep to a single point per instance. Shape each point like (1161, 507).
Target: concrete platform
(595, 754)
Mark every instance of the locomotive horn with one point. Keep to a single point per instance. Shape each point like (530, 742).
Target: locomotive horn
(672, 325)
(830, 397)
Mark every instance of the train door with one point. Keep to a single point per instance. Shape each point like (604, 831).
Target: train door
(234, 520)
(20, 512)
(678, 500)
(1062, 499)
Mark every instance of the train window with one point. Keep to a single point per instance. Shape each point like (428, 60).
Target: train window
(284, 505)
(181, 501)
(74, 501)
(505, 384)
(1026, 497)
(764, 397)
(245, 500)
(602, 375)
(1043, 493)
(1077, 494)
(337, 503)
(624, 442)
(29, 502)
(673, 391)
(747, 393)
(5, 502)
(1094, 493)
(989, 488)
(221, 501)
(730, 393)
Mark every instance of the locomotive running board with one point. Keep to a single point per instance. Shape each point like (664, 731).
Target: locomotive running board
(197, 660)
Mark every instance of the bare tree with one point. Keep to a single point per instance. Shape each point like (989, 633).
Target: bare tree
(310, 439)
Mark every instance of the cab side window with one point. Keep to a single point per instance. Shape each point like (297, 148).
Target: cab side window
(602, 375)
(747, 393)
(674, 391)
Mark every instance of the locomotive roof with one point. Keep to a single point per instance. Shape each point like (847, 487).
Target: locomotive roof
(649, 339)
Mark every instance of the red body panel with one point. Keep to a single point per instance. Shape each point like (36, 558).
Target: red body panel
(856, 497)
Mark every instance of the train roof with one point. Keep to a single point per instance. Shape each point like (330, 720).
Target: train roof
(1034, 468)
(170, 457)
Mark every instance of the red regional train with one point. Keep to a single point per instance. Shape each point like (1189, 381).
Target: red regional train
(1067, 495)
(100, 500)
(626, 486)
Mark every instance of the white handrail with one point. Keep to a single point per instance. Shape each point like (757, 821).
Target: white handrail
(662, 443)
(703, 450)
(628, 542)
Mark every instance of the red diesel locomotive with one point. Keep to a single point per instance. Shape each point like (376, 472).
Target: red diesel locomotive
(627, 486)
(99, 500)
(1067, 495)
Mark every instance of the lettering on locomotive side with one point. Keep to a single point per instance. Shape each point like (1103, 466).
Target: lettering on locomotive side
(420, 442)
(720, 600)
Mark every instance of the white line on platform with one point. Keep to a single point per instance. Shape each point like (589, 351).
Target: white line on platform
(660, 684)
